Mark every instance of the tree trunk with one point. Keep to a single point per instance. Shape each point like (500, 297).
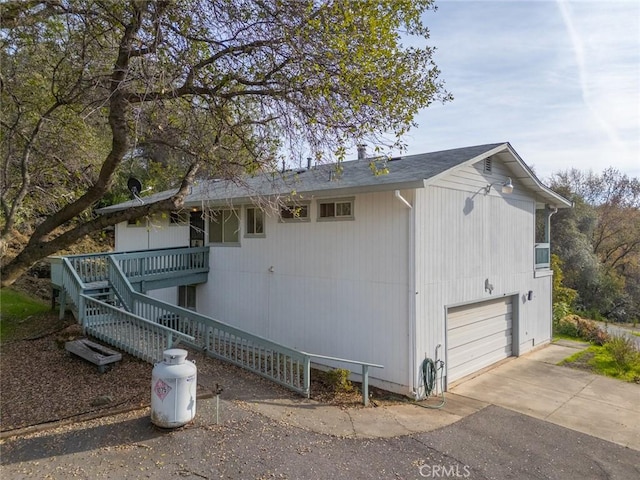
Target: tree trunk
(38, 249)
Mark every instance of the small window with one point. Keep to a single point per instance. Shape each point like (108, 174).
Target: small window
(294, 213)
(255, 222)
(341, 209)
(224, 227)
(136, 222)
(187, 296)
(487, 165)
(178, 218)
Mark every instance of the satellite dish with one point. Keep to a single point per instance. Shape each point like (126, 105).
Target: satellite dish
(134, 186)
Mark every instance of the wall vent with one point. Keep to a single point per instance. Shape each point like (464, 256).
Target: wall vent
(487, 165)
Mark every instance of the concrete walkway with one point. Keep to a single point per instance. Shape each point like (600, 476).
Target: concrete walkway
(532, 384)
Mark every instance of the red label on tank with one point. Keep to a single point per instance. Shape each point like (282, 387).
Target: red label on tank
(162, 389)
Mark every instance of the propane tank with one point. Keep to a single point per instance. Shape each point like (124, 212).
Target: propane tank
(173, 390)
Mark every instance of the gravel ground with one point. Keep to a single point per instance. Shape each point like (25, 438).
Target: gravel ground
(41, 383)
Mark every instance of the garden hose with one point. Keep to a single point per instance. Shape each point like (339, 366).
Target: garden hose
(430, 380)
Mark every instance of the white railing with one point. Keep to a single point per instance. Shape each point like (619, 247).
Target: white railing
(72, 289)
(135, 335)
(151, 265)
(278, 363)
(91, 267)
(145, 327)
(120, 284)
(365, 372)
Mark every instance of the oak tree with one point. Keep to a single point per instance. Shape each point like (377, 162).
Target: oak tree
(92, 88)
(599, 240)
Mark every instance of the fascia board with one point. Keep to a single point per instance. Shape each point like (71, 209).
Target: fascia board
(560, 201)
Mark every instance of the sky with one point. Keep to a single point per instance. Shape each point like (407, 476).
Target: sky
(559, 80)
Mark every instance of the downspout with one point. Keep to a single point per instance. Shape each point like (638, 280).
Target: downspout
(547, 227)
(412, 292)
(402, 199)
(547, 238)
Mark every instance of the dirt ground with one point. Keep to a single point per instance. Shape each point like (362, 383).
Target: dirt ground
(41, 383)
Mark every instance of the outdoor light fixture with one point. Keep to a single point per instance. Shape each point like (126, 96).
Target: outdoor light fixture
(507, 186)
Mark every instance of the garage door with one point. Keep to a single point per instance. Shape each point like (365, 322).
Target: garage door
(478, 335)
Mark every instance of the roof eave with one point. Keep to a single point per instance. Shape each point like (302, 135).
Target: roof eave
(555, 199)
(302, 195)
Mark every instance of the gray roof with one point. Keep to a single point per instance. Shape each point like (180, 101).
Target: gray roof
(350, 177)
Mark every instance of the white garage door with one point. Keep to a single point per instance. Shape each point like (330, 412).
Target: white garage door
(478, 335)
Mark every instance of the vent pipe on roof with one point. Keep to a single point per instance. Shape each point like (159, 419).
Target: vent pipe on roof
(362, 151)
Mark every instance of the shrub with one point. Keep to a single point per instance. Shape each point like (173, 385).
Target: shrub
(561, 294)
(568, 326)
(587, 329)
(624, 351)
(600, 337)
(574, 326)
(338, 378)
(560, 310)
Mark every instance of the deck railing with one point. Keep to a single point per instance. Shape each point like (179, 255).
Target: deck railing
(133, 334)
(73, 288)
(91, 267)
(145, 326)
(120, 284)
(276, 362)
(365, 372)
(154, 265)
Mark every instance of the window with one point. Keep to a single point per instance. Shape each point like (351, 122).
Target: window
(178, 218)
(136, 222)
(196, 229)
(224, 227)
(542, 247)
(488, 165)
(295, 213)
(187, 296)
(341, 209)
(255, 222)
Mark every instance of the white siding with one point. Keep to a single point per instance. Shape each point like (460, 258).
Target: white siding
(157, 233)
(337, 288)
(149, 234)
(377, 289)
(465, 237)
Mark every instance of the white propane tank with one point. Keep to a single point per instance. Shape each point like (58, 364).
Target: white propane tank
(173, 390)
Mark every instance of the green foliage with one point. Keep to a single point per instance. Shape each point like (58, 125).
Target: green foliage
(600, 360)
(15, 308)
(624, 352)
(17, 305)
(560, 310)
(207, 89)
(560, 293)
(576, 327)
(567, 326)
(598, 242)
(338, 379)
(383, 169)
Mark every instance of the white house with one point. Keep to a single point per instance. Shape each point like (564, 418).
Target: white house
(379, 261)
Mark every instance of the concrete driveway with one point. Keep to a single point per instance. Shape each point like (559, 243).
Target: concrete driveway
(265, 434)
(534, 385)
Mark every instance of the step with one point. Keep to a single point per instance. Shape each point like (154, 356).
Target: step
(93, 352)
